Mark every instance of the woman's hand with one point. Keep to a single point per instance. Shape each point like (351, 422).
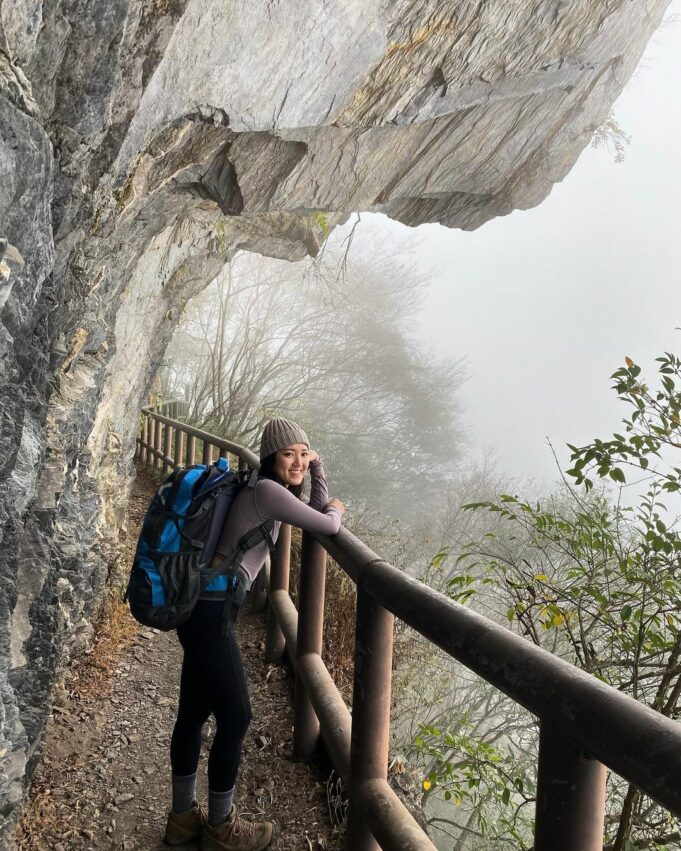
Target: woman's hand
(336, 503)
(312, 456)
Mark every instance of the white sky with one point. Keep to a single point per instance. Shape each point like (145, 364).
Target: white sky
(544, 304)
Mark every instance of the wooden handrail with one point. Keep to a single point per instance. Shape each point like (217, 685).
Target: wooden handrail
(249, 458)
(585, 725)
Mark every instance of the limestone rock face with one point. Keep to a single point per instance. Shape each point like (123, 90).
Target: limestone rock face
(144, 142)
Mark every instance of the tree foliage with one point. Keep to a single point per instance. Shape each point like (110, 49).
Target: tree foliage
(653, 428)
(594, 580)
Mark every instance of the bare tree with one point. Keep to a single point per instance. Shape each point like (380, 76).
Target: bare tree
(330, 343)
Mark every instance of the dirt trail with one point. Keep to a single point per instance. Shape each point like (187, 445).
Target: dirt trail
(103, 781)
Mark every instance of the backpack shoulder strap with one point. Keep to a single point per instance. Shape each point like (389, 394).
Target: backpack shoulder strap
(237, 593)
(256, 536)
(232, 561)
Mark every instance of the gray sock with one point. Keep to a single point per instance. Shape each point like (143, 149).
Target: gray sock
(219, 806)
(184, 792)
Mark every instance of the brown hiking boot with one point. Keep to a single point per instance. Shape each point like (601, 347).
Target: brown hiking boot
(237, 834)
(184, 827)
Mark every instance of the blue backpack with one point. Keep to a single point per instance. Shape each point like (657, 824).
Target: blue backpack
(179, 536)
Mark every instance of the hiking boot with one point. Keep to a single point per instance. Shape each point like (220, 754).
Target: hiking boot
(237, 834)
(184, 827)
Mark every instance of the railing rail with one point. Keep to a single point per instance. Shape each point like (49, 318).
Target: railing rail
(174, 408)
(159, 432)
(585, 725)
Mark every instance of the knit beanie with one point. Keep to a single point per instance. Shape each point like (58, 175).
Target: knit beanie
(279, 433)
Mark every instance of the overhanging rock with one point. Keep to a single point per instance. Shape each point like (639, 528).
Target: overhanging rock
(143, 142)
(442, 111)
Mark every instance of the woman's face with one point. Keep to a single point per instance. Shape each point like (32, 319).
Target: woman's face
(292, 463)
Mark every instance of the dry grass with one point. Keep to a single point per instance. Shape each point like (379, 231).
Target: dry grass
(339, 634)
(88, 679)
(39, 820)
(115, 629)
(90, 675)
(340, 603)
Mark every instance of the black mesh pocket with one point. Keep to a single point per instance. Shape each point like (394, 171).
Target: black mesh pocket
(180, 576)
(181, 579)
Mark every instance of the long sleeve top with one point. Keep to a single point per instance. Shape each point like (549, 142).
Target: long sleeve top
(269, 500)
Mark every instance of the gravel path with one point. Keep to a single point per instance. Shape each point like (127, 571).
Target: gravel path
(103, 781)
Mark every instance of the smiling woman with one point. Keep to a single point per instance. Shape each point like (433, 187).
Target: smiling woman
(292, 463)
(213, 679)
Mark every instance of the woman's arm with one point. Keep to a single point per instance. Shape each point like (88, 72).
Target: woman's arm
(319, 490)
(273, 501)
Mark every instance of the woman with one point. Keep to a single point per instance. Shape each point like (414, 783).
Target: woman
(213, 679)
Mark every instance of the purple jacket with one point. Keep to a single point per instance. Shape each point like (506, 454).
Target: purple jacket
(269, 500)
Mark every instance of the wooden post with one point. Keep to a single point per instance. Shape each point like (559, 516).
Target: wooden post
(149, 440)
(177, 457)
(158, 444)
(191, 451)
(140, 449)
(279, 581)
(167, 447)
(570, 812)
(370, 711)
(310, 633)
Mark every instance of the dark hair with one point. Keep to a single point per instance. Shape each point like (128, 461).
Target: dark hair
(267, 472)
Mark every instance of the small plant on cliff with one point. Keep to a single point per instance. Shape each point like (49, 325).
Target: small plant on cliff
(611, 136)
(322, 221)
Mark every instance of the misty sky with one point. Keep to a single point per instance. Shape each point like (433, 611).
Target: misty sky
(544, 304)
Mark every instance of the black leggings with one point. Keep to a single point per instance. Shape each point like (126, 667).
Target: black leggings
(213, 680)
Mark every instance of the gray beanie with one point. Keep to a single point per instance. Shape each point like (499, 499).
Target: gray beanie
(279, 433)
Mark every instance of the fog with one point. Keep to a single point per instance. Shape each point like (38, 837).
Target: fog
(543, 305)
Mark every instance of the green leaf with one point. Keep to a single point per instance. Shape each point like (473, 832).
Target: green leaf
(439, 558)
(473, 506)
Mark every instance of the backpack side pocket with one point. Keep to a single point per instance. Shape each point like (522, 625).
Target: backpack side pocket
(163, 596)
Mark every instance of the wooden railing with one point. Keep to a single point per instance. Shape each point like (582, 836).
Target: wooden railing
(585, 725)
(168, 444)
(174, 408)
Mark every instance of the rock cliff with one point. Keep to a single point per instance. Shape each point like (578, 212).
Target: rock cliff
(144, 142)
